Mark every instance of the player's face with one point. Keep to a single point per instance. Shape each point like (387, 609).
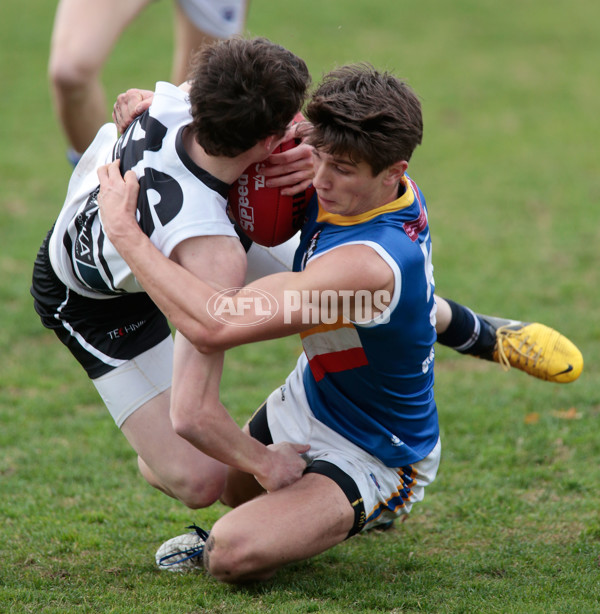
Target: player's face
(348, 188)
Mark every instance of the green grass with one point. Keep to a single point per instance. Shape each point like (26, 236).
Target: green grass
(509, 168)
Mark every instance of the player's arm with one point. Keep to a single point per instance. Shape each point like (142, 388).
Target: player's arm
(322, 293)
(196, 411)
(331, 282)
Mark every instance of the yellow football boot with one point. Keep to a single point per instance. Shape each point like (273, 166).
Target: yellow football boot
(536, 349)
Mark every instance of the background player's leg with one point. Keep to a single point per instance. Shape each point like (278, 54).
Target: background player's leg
(187, 39)
(200, 23)
(84, 33)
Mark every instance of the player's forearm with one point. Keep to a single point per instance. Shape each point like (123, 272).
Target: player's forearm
(199, 417)
(216, 434)
(274, 467)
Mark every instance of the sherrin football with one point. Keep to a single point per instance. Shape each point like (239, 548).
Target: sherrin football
(264, 214)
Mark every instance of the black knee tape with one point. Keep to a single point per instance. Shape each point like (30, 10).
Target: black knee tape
(348, 485)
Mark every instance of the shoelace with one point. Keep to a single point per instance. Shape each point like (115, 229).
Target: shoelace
(524, 350)
(189, 553)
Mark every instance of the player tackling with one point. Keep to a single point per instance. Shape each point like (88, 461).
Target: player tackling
(361, 395)
(360, 399)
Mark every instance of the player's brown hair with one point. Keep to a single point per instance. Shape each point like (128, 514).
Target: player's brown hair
(242, 91)
(367, 115)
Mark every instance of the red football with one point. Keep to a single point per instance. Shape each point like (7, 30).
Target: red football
(264, 215)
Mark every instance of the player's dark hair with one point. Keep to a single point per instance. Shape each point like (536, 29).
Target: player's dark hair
(367, 115)
(244, 91)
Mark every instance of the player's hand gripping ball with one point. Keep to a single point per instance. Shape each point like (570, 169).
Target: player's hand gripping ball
(264, 214)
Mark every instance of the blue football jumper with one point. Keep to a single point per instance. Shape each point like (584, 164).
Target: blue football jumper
(373, 382)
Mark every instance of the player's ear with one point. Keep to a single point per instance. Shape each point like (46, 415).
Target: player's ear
(395, 172)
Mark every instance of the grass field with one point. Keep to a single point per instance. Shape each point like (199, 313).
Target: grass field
(509, 166)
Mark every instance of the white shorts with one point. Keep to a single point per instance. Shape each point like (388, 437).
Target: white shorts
(128, 387)
(219, 18)
(386, 492)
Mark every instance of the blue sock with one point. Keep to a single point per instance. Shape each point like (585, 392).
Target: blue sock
(73, 156)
